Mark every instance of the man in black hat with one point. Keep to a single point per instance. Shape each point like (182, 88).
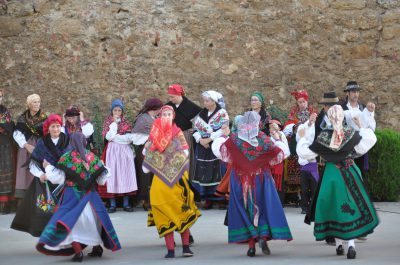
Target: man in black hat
(353, 111)
(329, 99)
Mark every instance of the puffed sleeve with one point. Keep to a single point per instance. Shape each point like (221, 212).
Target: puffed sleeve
(216, 146)
(216, 134)
(197, 137)
(368, 140)
(288, 130)
(87, 129)
(283, 146)
(55, 175)
(19, 137)
(303, 149)
(138, 138)
(102, 179)
(35, 170)
(368, 119)
(112, 132)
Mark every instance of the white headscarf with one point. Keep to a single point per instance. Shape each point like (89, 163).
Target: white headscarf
(248, 127)
(336, 116)
(215, 96)
(31, 98)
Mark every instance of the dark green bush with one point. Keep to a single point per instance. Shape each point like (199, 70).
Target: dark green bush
(384, 166)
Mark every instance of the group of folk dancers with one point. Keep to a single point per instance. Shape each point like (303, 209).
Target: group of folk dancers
(181, 150)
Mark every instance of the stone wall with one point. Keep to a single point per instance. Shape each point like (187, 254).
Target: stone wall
(90, 51)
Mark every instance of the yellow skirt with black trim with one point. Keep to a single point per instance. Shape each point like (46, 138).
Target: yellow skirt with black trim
(172, 209)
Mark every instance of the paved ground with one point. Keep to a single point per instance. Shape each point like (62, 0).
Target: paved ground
(141, 244)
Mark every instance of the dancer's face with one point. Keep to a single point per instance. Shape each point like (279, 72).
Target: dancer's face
(302, 103)
(175, 99)
(255, 103)
(55, 130)
(34, 106)
(209, 103)
(72, 120)
(353, 96)
(167, 115)
(117, 112)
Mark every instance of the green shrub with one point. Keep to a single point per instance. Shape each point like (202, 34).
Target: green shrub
(277, 113)
(384, 166)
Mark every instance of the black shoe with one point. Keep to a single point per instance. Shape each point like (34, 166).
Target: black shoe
(330, 241)
(351, 253)
(340, 250)
(191, 240)
(264, 247)
(97, 251)
(145, 206)
(77, 257)
(128, 209)
(111, 210)
(170, 254)
(251, 252)
(186, 252)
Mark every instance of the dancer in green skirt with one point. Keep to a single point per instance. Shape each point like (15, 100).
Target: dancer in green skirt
(341, 207)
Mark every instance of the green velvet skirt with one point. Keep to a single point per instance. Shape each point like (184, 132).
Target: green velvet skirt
(343, 208)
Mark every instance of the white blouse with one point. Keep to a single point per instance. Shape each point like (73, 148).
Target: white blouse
(87, 129)
(134, 138)
(366, 117)
(368, 140)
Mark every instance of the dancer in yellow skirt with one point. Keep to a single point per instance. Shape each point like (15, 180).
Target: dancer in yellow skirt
(171, 198)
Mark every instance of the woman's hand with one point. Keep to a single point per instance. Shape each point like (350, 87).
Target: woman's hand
(45, 163)
(205, 142)
(29, 148)
(43, 178)
(276, 135)
(81, 117)
(225, 130)
(313, 118)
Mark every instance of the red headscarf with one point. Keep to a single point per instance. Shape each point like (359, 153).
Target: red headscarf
(163, 131)
(176, 89)
(53, 118)
(300, 94)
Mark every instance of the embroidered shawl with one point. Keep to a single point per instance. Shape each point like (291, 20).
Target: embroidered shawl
(77, 175)
(6, 122)
(45, 149)
(124, 126)
(31, 126)
(205, 124)
(171, 164)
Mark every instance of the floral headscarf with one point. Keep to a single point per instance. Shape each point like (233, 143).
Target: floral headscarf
(248, 127)
(336, 116)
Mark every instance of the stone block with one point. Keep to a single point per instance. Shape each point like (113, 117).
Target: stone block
(391, 17)
(348, 5)
(391, 32)
(10, 27)
(20, 8)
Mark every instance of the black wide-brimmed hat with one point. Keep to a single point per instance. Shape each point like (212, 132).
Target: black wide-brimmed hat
(72, 111)
(330, 99)
(352, 86)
